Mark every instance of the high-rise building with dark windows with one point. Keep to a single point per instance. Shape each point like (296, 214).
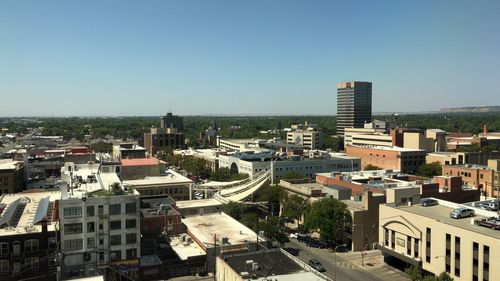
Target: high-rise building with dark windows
(354, 105)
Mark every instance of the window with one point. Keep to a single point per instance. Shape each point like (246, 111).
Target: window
(72, 228)
(4, 248)
(114, 225)
(475, 260)
(416, 253)
(31, 263)
(457, 256)
(73, 244)
(72, 212)
(100, 211)
(408, 246)
(131, 254)
(101, 241)
(428, 245)
(4, 266)
(101, 257)
(31, 245)
(131, 238)
(115, 209)
(116, 240)
(91, 242)
(90, 211)
(130, 223)
(486, 262)
(448, 253)
(116, 255)
(386, 237)
(131, 208)
(101, 226)
(90, 227)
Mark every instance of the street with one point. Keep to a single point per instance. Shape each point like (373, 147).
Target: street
(348, 264)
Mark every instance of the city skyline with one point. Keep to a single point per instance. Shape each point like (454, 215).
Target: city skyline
(123, 58)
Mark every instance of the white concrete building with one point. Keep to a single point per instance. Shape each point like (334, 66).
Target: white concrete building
(307, 135)
(252, 163)
(99, 220)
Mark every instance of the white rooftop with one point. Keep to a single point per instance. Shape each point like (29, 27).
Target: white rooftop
(34, 209)
(171, 177)
(7, 164)
(185, 249)
(205, 227)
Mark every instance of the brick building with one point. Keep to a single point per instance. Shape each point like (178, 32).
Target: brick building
(483, 177)
(395, 158)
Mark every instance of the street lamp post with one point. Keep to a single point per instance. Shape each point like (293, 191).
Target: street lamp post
(335, 261)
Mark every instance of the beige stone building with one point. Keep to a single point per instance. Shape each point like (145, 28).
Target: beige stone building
(428, 238)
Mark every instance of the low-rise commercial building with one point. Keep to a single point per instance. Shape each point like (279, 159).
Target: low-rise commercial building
(28, 236)
(391, 158)
(11, 176)
(171, 183)
(140, 168)
(480, 176)
(129, 151)
(274, 264)
(218, 233)
(253, 163)
(429, 238)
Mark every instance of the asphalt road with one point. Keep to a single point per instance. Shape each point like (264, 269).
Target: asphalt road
(346, 271)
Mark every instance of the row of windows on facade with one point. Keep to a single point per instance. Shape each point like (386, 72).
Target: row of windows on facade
(114, 240)
(114, 209)
(29, 263)
(448, 258)
(77, 228)
(30, 245)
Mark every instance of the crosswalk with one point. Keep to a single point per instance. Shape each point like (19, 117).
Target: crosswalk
(348, 265)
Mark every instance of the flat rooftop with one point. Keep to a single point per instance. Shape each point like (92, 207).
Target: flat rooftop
(187, 204)
(23, 212)
(441, 213)
(271, 263)
(205, 227)
(7, 164)
(185, 247)
(170, 177)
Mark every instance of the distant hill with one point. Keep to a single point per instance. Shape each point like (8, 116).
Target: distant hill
(472, 109)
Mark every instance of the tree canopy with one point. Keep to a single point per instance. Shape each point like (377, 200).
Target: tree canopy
(332, 218)
(429, 170)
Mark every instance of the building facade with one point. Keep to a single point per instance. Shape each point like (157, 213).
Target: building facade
(428, 238)
(395, 158)
(170, 134)
(354, 105)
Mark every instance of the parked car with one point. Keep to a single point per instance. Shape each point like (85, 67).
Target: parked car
(493, 206)
(462, 213)
(315, 243)
(491, 222)
(428, 202)
(316, 264)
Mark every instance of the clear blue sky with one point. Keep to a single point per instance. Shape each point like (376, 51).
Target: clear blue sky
(244, 57)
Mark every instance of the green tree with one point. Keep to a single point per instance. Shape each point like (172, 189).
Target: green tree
(371, 167)
(234, 209)
(196, 166)
(273, 228)
(274, 196)
(415, 274)
(332, 218)
(294, 206)
(429, 170)
(224, 175)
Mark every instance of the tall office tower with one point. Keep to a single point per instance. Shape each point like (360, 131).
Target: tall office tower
(354, 105)
(173, 122)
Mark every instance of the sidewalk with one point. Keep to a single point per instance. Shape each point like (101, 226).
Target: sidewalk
(373, 262)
